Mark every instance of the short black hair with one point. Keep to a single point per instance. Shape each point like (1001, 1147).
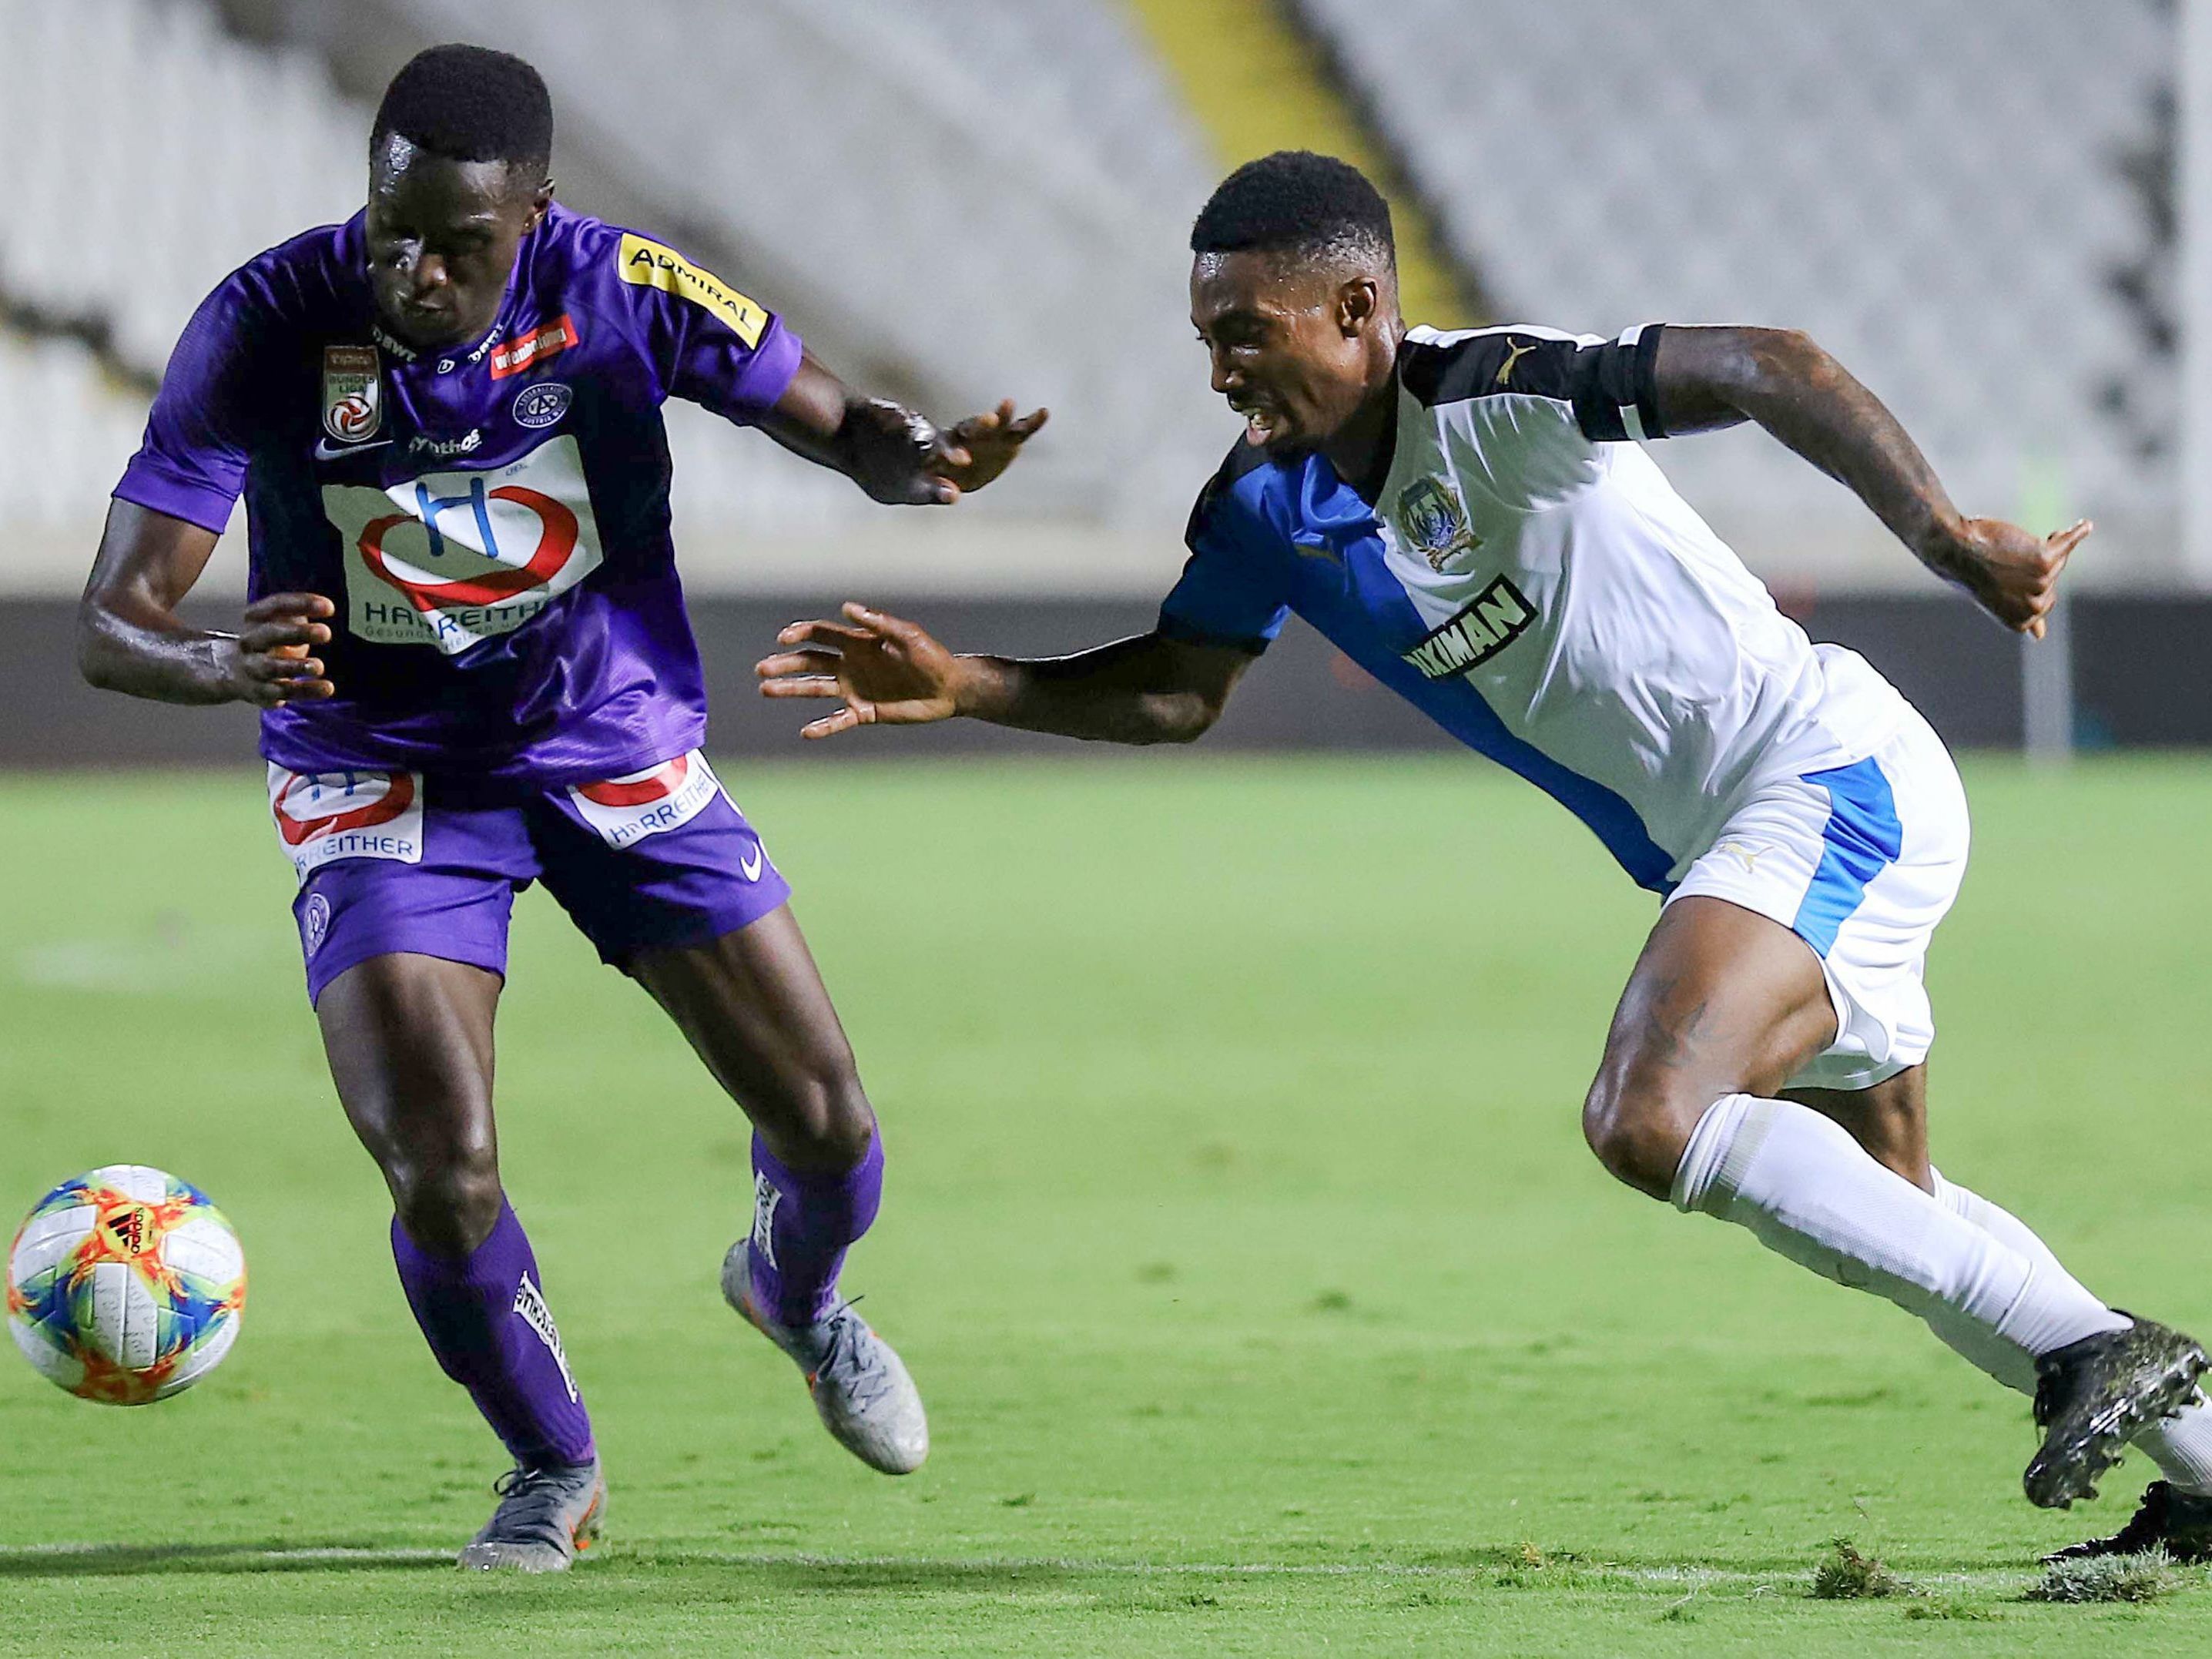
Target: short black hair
(1297, 203)
(469, 103)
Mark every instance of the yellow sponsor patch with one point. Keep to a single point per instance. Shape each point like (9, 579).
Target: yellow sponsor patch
(651, 265)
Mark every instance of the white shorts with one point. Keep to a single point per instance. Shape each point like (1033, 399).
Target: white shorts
(1861, 863)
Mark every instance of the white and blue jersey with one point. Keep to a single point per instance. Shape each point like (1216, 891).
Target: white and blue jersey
(1524, 575)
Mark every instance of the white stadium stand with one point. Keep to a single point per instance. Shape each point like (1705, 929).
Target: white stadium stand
(993, 200)
(65, 431)
(1932, 188)
(149, 154)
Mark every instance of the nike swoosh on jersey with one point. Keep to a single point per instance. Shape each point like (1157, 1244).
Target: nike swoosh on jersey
(750, 868)
(327, 451)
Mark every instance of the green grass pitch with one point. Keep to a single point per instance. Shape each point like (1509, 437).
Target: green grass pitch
(1238, 1230)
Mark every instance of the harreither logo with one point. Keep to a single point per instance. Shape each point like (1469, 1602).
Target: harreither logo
(627, 809)
(451, 559)
(322, 816)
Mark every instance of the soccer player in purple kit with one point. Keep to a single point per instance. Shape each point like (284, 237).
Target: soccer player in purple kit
(469, 644)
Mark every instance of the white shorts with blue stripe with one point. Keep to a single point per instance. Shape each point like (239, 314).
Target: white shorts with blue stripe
(1860, 862)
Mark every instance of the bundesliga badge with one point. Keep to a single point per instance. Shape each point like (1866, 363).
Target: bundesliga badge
(1436, 523)
(352, 407)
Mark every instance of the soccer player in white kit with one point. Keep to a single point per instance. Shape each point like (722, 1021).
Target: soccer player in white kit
(1471, 517)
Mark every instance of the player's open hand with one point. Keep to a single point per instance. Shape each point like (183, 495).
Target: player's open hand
(271, 662)
(899, 457)
(884, 670)
(982, 446)
(2012, 573)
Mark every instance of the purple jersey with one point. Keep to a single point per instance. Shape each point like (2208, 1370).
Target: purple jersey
(491, 520)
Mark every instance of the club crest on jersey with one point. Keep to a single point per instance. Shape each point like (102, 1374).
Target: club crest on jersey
(543, 403)
(353, 402)
(1430, 517)
(322, 816)
(452, 558)
(626, 810)
(1498, 615)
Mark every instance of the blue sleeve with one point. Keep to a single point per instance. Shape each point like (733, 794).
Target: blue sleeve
(191, 464)
(1232, 592)
(710, 345)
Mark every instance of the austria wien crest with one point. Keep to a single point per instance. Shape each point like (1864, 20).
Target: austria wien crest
(353, 408)
(1429, 516)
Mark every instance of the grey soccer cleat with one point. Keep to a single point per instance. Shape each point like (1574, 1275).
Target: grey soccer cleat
(545, 1518)
(2094, 1397)
(861, 1389)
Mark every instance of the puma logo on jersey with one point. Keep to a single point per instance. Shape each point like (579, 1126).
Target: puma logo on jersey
(1743, 852)
(1514, 354)
(1498, 615)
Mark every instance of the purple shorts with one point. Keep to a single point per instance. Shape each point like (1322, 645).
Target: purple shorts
(393, 862)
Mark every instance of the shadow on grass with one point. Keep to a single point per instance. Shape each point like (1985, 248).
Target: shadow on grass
(1522, 1567)
(117, 1561)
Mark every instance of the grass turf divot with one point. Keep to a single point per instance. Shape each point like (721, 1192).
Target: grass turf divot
(1849, 1575)
(2134, 1578)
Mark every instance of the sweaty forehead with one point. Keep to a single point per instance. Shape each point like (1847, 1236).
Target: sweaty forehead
(1255, 284)
(401, 173)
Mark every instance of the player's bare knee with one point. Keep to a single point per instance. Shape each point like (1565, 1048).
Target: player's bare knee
(448, 1206)
(823, 1122)
(1637, 1131)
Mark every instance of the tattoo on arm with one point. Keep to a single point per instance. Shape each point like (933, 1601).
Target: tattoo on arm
(1715, 377)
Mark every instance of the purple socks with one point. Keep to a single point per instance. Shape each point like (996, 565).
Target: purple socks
(485, 1317)
(802, 1223)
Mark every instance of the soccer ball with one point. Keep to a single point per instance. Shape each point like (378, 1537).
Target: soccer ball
(124, 1285)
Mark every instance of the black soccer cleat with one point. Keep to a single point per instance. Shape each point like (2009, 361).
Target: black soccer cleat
(2094, 1397)
(2178, 1522)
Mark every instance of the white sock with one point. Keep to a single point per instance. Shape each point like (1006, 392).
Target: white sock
(1809, 1192)
(2180, 1446)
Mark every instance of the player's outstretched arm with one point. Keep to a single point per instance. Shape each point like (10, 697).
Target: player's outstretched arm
(1708, 378)
(130, 639)
(892, 452)
(887, 671)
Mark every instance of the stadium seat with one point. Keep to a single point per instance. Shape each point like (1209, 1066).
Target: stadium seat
(1930, 187)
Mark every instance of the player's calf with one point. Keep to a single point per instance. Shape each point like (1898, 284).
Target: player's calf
(485, 1317)
(782, 1277)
